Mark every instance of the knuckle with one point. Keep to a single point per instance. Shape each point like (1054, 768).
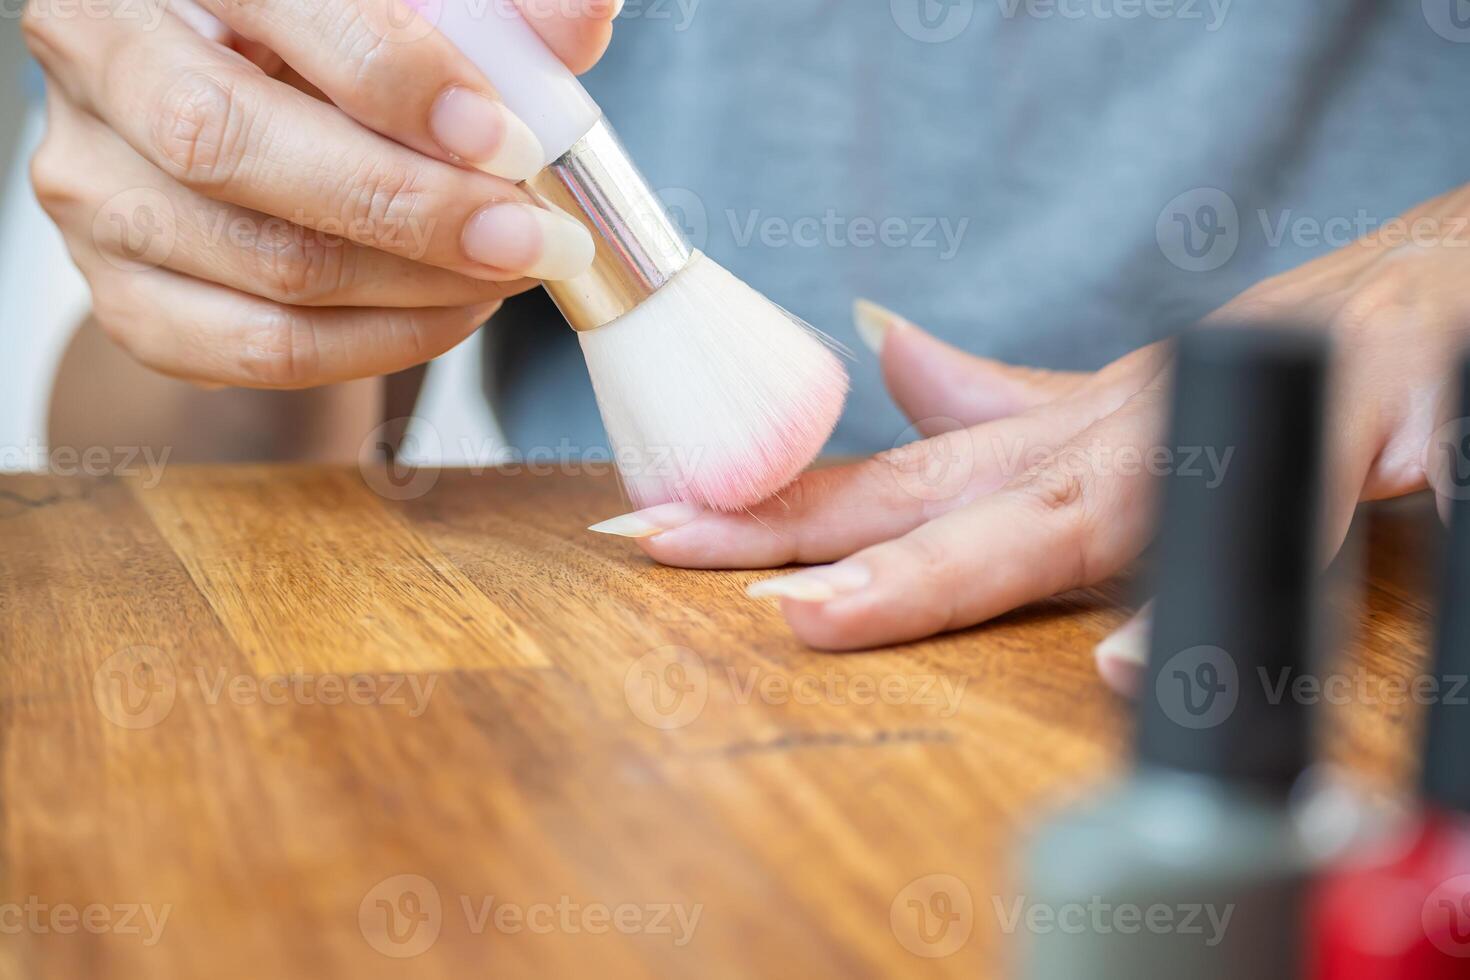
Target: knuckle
(904, 460)
(279, 350)
(50, 182)
(365, 47)
(1385, 300)
(1060, 491)
(1055, 489)
(1062, 498)
(200, 130)
(382, 201)
(298, 267)
(940, 470)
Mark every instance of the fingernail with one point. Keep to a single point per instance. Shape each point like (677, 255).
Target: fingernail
(1122, 656)
(650, 521)
(529, 240)
(485, 134)
(482, 313)
(873, 323)
(814, 584)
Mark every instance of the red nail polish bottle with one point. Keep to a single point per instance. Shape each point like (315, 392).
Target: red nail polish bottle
(1402, 910)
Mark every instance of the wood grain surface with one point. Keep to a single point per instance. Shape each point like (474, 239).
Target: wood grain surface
(273, 722)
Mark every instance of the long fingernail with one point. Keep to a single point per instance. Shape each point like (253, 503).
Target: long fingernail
(529, 240)
(485, 134)
(874, 323)
(814, 584)
(650, 521)
(1121, 657)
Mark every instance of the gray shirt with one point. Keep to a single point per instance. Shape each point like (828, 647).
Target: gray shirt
(1052, 182)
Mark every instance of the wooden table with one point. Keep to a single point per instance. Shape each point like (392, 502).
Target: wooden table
(332, 734)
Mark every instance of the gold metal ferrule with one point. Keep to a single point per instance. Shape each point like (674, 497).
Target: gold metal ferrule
(639, 248)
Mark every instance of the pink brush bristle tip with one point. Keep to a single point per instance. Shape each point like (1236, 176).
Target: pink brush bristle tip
(738, 482)
(711, 393)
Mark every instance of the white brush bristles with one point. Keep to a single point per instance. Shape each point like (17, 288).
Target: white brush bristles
(711, 393)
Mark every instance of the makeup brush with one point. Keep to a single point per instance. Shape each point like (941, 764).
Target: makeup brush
(710, 392)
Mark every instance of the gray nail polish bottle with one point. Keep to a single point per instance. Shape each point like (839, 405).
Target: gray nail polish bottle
(1195, 867)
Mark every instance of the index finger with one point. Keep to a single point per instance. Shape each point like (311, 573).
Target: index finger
(221, 127)
(384, 63)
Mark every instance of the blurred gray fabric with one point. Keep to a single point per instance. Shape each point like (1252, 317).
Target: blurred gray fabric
(1105, 175)
(13, 70)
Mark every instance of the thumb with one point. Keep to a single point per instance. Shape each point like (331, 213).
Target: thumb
(937, 385)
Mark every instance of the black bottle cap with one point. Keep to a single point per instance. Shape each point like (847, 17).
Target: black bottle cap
(1446, 774)
(1235, 608)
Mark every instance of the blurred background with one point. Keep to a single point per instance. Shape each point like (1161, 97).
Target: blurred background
(1066, 188)
(12, 91)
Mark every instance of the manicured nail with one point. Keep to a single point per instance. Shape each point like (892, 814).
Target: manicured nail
(1122, 656)
(814, 584)
(650, 521)
(529, 240)
(874, 323)
(485, 134)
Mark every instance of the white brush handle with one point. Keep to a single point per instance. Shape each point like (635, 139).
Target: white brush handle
(532, 81)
